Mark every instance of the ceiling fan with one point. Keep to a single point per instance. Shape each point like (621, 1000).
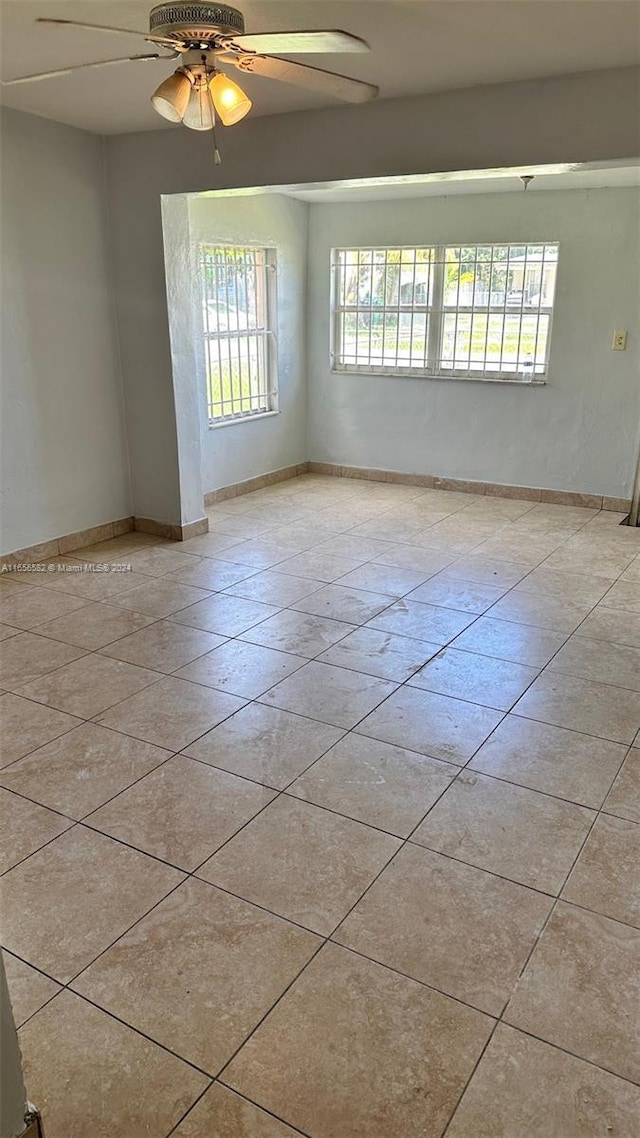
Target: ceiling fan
(205, 35)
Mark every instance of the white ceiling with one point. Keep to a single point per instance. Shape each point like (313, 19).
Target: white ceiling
(575, 177)
(417, 46)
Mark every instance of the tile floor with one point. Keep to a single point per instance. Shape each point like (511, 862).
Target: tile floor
(327, 822)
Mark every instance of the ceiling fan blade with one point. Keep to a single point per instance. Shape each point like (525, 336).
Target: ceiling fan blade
(327, 82)
(80, 67)
(294, 43)
(104, 28)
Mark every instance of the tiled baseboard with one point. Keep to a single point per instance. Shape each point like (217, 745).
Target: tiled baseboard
(257, 483)
(59, 546)
(63, 545)
(490, 489)
(172, 532)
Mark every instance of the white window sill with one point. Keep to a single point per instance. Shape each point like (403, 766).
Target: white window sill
(539, 381)
(214, 424)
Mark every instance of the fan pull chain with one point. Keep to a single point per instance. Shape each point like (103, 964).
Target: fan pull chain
(217, 157)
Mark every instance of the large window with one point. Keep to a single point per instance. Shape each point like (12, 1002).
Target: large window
(238, 312)
(467, 311)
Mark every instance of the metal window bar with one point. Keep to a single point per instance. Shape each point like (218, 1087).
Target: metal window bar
(238, 301)
(503, 333)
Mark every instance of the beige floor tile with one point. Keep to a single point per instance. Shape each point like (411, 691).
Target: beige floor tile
(600, 660)
(84, 579)
(339, 603)
(623, 595)
(298, 632)
(332, 695)
(24, 828)
(375, 783)
(436, 725)
(209, 544)
(380, 654)
(259, 552)
(88, 686)
(274, 588)
(34, 606)
(10, 581)
(158, 598)
(624, 797)
(93, 626)
(172, 715)
(82, 769)
(435, 624)
(199, 972)
(164, 646)
(509, 640)
(582, 705)
(544, 610)
(300, 862)
(28, 990)
(265, 744)
(182, 811)
(118, 548)
(6, 632)
(223, 1113)
(605, 876)
(244, 526)
(525, 1087)
(71, 899)
(226, 615)
(27, 657)
(354, 545)
(243, 669)
(479, 679)
(577, 588)
(632, 573)
(211, 574)
(551, 759)
(319, 566)
(159, 560)
(26, 725)
(91, 1075)
(427, 562)
(615, 624)
(454, 593)
(454, 928)
(520, 834)
(488, 570)
(579, 990)
(388, 1056)
(392, 580)
(584, 559)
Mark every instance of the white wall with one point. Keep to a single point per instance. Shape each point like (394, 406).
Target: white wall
(13, 1097)
(64, 458)
(589, 117)
(237, 451)
(579, 432)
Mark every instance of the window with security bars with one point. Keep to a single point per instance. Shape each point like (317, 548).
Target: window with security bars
(467, 311)
(238, 312)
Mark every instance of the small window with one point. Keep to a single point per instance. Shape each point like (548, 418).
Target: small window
(238, 312)
(468, 311)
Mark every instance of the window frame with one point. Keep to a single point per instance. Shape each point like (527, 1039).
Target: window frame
(266, 333)
(433, 368)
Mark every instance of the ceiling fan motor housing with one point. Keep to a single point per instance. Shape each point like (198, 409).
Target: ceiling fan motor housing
(195, 23)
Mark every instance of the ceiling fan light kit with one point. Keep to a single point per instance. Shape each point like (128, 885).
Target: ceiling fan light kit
(172, 96)
(204, 34)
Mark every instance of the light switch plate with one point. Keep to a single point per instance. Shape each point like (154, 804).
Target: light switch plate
(619, 342)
